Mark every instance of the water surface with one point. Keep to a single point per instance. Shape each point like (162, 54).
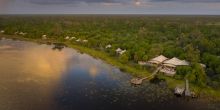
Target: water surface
(39, 77)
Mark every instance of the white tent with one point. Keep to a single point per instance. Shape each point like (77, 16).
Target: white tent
(2, 31)
(78, 40)
(22, 33)
(108, 46)
(44, 37)
(72, 38)
(118, 50)
(67, 37)
(85, 41)
(142, 62)
(122, 52)
(203, 65)
(158, 60)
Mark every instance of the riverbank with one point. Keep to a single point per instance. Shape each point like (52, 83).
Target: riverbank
(94, 53)
(206, 92)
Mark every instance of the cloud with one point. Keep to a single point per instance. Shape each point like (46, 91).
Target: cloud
(46, 2)
(109, 7)
(189, 1)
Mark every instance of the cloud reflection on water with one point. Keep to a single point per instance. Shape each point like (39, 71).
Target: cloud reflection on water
(35, 77)
(28, 70)
(37, 60)
(46, 62)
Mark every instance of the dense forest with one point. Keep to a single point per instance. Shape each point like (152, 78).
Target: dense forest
(192, 38)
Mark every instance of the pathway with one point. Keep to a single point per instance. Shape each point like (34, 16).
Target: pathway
(138, 81)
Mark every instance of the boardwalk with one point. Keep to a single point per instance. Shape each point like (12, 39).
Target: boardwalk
(138, 81)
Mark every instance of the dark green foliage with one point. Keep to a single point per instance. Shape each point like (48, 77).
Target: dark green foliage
(197, 76)
(192, 54)
(124, 58)
(213, 64)
(182, 71)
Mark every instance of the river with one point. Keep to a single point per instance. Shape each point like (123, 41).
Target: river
(38, 77)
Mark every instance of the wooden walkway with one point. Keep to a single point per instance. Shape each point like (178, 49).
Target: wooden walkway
(138, 81)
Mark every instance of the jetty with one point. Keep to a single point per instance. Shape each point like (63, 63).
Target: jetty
(187, 92)
(138, 81)
(180, 91)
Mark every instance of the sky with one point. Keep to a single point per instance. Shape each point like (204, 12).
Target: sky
(199, 7)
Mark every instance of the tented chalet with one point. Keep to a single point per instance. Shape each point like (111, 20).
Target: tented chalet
(72, 38)
(78, 40)
(20, 33)
(142, 63)
(175, 62)
(85, 41)
(120, 51)
(202, 65)
(67, 37)
(108, 46)
(169, 66)
(2, 31)
(158, 60)
(44, 37)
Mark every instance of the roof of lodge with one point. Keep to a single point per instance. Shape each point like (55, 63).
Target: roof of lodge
(176, 62)
(158, 59)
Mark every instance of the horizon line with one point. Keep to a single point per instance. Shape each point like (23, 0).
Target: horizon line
(111, 14)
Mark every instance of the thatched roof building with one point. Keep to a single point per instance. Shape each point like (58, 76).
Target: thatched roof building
(158, 60)
(169, 66)
(175, 62)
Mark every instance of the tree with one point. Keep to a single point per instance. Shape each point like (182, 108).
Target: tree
(124, 58)
(198, 75)
(183, 71)
(192, 54)
(138, 55)
(205, 45)
(155, 50)
(57, 29)
(173, 51)
(145, 58)
(212, 61)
